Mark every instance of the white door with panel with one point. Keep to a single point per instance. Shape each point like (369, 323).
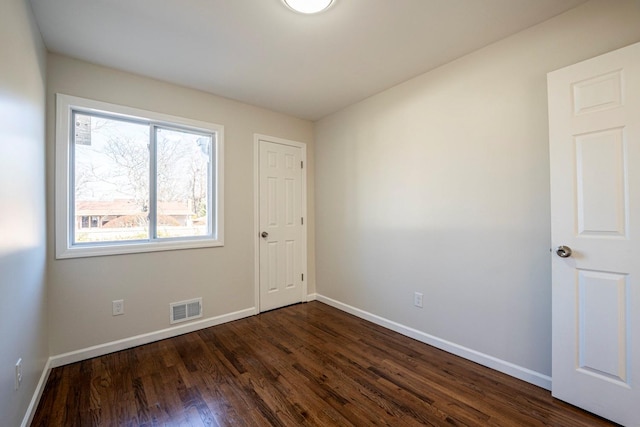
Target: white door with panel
(594, 126)
(281, 224)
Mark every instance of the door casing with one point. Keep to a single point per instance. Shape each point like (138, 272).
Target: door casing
(256, 203)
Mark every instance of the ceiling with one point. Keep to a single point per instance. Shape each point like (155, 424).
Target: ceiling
(262, 53)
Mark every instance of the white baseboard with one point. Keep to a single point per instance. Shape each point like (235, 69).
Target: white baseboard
(508, 368)
(37, 394)
(505, 367)
(123, 344)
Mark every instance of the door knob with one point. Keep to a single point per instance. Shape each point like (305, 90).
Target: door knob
(265, 234)
(563, 251)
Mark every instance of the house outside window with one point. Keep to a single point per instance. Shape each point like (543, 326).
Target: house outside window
(130, 180)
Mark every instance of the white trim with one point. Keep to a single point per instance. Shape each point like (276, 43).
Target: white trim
(500, 365)
(63, 246)
(508, 368)
(256, 215)
(37, 394)
(256, 221)
(123, 344)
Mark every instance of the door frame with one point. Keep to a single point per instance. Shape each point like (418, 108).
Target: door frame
(256, 209)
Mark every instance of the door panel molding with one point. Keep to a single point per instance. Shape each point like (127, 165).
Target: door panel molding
(594, 146)
(303, 212)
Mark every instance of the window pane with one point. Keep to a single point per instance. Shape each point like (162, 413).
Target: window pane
(110, 179)
(183, 183)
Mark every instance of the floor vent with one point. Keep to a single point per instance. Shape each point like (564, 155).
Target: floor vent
(185, 310)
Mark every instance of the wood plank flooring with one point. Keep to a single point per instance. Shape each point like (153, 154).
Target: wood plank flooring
(303, 365)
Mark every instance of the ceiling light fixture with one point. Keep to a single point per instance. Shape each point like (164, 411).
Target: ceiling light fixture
(308, 6)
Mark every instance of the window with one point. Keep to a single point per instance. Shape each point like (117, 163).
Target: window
(130, 181)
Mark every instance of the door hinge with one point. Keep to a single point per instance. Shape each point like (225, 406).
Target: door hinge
(303, 277)
(302, 220)
(301, 165)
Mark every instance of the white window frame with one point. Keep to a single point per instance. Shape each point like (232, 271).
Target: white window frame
(65, 105)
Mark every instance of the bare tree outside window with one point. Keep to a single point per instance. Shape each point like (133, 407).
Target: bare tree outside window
(182, 178)
(130, 181)
(114, 175)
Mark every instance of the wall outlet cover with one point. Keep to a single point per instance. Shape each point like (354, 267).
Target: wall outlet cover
(118, 307)
(417, 299)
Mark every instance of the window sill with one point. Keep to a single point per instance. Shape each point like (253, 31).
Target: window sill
(94, 250)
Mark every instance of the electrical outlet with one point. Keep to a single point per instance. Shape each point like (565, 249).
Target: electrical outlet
(18, 373)
(118, 307)
(417, 299)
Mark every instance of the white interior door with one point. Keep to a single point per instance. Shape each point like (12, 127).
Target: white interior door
(282, 250)
(594, 125)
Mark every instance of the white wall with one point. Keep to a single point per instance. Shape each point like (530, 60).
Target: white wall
(81, 290)
(441, 185)
(23, 326)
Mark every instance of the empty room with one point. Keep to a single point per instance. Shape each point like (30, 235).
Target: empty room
(319, 212)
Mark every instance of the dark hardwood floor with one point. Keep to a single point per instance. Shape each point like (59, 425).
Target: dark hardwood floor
(307, 364)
